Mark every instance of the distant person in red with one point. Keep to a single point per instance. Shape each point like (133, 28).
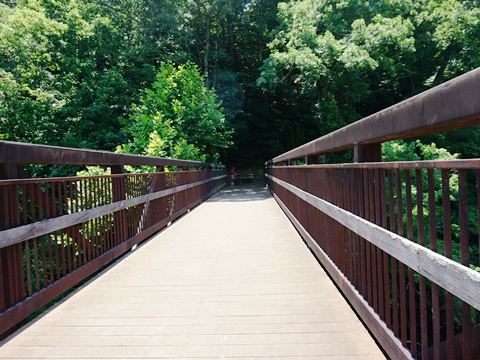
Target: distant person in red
(233, 174)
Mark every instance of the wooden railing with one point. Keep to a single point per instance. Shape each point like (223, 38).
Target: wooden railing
(403, 253)
(56, 232)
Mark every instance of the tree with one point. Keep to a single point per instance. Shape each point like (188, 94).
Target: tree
(29, 98)
(328, 50)
(355, 58)
(178, 117)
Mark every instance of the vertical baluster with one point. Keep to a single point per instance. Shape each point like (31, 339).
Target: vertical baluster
(111, 217)
(103, 234)
(142, 213)
(105, 219)
(447, 238)
(12, 286)
(36, 264)
(423, 283)
(90, 225)
(332, 224)
(78, 206)
(4, 285)
(342, 230)
(97, 226)
(18, 251)
(373, 249)
(355, 248)
(401, 271)
(27, 243)
(356, 239)
(83, 236)
(71, 208)
(119, 194)
(433, 246)
(63, 205)
(350, 250)
(393, 315)
(361, 242)
(393, 261)
(92, 233)
(411, 276)
(399, 202)
(477, 172)
(42, 238)
(54, 235)
(378, 264)
(98, 221)
(386, 278)
(465, 260)
(48, 237)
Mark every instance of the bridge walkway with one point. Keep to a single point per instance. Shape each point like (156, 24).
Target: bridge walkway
(232, 279)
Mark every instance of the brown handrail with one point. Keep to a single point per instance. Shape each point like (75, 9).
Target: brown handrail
(451, 105)
(396, 237)
(22, 153)
(56, 232)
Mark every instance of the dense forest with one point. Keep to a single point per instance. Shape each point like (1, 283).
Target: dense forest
(236, 81)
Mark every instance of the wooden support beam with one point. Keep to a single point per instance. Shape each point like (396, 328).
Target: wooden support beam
(21, 153)
(12, 288)
(367, 153)
(311, 159)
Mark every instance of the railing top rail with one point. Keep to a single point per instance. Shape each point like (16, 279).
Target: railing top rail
(453, 104)
(22, 153)
(424, 164)
(77, 178)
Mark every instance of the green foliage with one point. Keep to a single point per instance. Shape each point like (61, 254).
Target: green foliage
(399, 151)
(329, 49)
(354, 58)
(70, 69)
(29, 99)
(178, 117)
(417, 151)
(94, 171)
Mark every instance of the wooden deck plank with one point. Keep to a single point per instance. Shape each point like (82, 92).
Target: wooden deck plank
(232, 279)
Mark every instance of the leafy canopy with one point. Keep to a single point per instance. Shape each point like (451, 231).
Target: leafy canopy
(177, 117)
(353, 58)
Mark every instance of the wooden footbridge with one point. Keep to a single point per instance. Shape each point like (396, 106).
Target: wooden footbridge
(232, 279)
(174, 263)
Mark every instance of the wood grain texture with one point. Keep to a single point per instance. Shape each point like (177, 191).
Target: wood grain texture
(459, 280)
(451, 105)
(232, 279)
(385, 336)
(22, 153)
(25, 232)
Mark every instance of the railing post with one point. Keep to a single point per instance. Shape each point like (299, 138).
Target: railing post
(161, 185)
(311, 159)
(367, 152)
(119, 194)
(12, 287)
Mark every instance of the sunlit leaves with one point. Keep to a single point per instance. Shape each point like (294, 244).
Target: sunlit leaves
(29, 73)
(178, 117)
(354, 58)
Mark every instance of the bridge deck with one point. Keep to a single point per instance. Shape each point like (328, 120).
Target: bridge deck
(232, 279)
